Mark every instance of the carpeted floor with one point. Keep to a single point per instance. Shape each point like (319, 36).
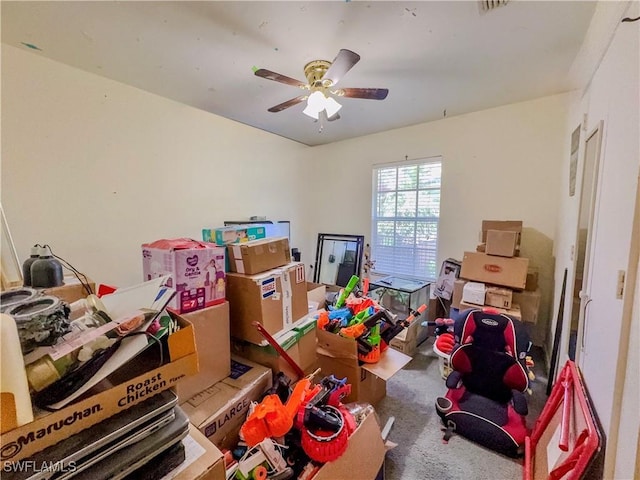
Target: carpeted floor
(420, 454)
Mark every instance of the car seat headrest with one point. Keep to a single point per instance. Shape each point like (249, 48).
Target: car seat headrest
(490, 330)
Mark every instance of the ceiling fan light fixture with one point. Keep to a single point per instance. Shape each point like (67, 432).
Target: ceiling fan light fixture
(331, 106)
(317, 102)
(311, 112)
(322, 76)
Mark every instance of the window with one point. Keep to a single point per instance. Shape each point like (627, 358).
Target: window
(406, 209)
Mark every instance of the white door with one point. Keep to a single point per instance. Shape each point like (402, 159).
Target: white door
(579, 294)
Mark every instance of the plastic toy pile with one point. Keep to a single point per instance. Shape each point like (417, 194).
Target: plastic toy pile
(354, 314)
(293, 431)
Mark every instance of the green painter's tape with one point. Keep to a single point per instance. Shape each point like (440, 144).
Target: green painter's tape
(31, 46)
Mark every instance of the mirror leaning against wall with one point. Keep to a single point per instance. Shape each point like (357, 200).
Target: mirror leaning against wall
(338, 257)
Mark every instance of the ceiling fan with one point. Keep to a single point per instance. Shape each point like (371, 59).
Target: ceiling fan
(322, 77)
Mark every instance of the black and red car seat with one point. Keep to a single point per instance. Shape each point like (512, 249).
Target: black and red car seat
(486, 400)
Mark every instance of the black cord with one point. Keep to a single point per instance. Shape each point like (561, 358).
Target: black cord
(628, 19)
(78, 274)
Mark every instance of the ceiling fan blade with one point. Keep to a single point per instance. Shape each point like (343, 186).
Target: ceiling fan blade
(367, 93)
(276, 77)
(335, 117)
(288, 103)
(344, 61)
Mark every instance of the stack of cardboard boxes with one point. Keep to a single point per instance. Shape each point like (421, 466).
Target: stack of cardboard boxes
(262, 285)
(216, 311)
(266, 287)
(496, 276)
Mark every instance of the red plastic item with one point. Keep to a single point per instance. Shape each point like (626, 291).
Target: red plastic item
(582, 455)
(445, 342)
(281, 351)
(365, 287)
(372, 357)
(563, 444)
(323, 446)
(357, 305)
(105, 290)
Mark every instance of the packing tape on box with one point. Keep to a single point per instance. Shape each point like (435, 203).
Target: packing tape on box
(237, 254)
(287, 294)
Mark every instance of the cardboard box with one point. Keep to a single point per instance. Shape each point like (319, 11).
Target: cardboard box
(71, 291)
(259, 256)
(514, 311)
(233, 234)
(196, 271)
(307, 340)
(220, 410)
(529, 305)
(363, 457)
(502, 242)
(338, 355)
(276, 299)
(113, 397)
(506, 225)
(267, 356)
(299, 343)
(532, 279)
(204, 461)
(473, 292)
(211, 328)
(499, 297)
(456, 298)
(365, 451)
(316, 296)
(407, 340)
(438, 308)
(503, 271)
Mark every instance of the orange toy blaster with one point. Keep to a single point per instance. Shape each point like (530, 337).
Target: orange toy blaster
(272, 418)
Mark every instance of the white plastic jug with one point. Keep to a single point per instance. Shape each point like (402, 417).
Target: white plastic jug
(13, 377)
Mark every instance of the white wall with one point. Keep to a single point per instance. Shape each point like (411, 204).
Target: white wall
(629, 426)
(502, 163)
(610, 94)
(95, 168)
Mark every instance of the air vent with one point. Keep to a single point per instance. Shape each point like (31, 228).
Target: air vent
(488, 5)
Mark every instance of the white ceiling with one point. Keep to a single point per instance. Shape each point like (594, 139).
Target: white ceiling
(436, 58)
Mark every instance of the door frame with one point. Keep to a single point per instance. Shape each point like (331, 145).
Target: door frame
(585, 288)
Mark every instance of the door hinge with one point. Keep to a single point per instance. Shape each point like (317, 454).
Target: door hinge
(620, 285)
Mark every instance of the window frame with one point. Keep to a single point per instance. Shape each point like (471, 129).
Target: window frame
(437, 159)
